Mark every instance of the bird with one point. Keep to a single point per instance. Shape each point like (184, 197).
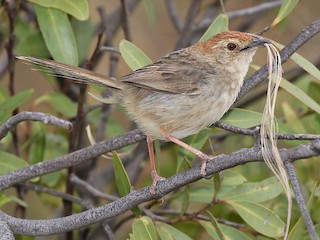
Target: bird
(180, 94)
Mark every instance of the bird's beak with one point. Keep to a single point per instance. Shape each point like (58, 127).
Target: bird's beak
(256, 42)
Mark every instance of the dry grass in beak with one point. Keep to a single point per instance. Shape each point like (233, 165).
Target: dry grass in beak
(269, 128)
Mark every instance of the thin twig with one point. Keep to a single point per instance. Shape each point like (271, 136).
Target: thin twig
(33, 116)
(172, 11)
(79, 183)
(300, 200)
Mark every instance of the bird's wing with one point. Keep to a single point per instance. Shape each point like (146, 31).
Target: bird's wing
(175, 73)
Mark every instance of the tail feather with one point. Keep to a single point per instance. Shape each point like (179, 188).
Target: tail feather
(75, 73)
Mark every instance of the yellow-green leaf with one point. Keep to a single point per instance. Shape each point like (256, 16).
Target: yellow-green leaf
(286, 8)
(242, 118)
(134, 57)
(121, 176)
(220, 24)
(259, 218)
(143, 229)
(302, 62)
(9, 162)
(58, 35)
(299, 94)
(11, 103)
(254, 191)
(77, 8)
(150, 9)
(216, 225)
(229, 233)
(167, 232)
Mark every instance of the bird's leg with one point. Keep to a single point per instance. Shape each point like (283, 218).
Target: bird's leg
(155, 177)
(203, 157)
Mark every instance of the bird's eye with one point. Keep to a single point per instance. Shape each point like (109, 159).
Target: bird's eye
(231, 46)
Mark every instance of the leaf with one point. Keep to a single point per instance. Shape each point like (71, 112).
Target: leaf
(302, 62)
(292, 119)
(259, 218)
(60, 102)
(121, 176)
(229, 233)
(242, 118)
(4, 199)
(144, 229)
(10, 162)
(299, 94)
(220, 24)
(150, 9)
(32, 45)
(231, 178)
(296, 232)
(254, 192)
(77, 8)
(58, 35)
(215, 225)
(83, 32)
(38, 144)
(11, 103)
(167, 232)
(201, 194)
(122, 180)
(134, 57)
(286, 7)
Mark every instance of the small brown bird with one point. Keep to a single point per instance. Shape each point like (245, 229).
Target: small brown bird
(181, 93)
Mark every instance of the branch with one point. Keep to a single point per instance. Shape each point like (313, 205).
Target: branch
(32, 116)
(70, 159)
(260, 75)
(5, 231)
(134, 198)
(299, 198)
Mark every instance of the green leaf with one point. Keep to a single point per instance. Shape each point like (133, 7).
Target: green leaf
(286, 7)
(150, 9)
(299, 94)
(220, 24)
(32, 45)
(216, 225)
(38, 144)
(11, 103)
(134, 57)
(231, 178)
(83, 32)
(4, 199)
(242, 118)
(296, 232)
(167, 232)
(121, 176)
(302, 62)
(122, 180)
(202, 194)
(259, 218)
(58, 35)
(229, 233)
(292, 118)
(254, 192)
(10, 162)
(61, 103)
(77, 8)
(197, 141)
(144, 229)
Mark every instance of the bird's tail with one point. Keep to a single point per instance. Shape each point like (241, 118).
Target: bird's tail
(74, 73)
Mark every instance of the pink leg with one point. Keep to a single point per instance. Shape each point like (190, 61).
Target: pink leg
(155, 177)
(204, 157)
